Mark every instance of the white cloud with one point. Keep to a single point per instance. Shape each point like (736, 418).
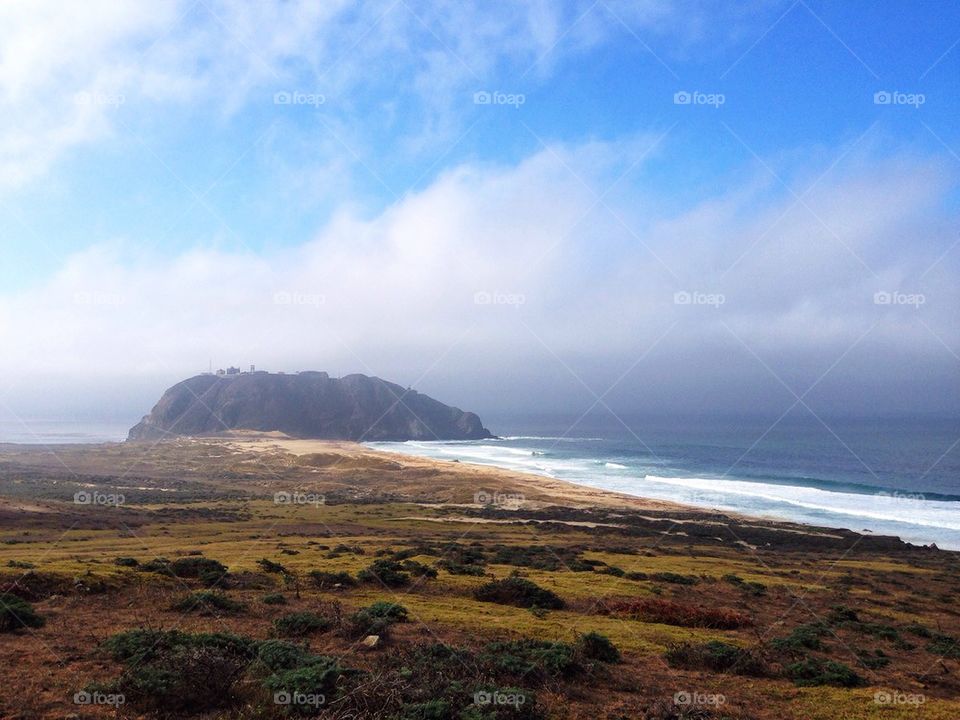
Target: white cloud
(395, 292)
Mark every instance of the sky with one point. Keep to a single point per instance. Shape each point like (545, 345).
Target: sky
(664, 207)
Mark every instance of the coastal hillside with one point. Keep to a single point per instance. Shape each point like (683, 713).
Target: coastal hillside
(305, 405)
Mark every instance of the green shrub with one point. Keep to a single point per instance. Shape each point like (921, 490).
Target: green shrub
(300, 623)
(161, 566)
(274, 655)
(324, 579)
(16, 613)
(208, 602)
(530, 659)
(716, 656)
(194, 567)
(418, 569)
(801, 638)
(178, 673)
(269, 566)
(594, 646)
(518, 592)
(455, 568)
(814, 671)
(126, 562)
(945, 646)
(317, 678)
(20, 565)
(385, 572)
(675, 578)
(274, 599)
(376, 619)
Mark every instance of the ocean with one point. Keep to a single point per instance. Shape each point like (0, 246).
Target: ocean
(889, 477)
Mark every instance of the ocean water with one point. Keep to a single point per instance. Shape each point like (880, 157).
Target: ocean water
(31, 431)
(890, 477)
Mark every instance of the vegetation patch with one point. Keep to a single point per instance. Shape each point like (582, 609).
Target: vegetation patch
(518, 592)
(325, 580)
(17, 614)
(208, 602)
(717, 656)
(816, 671)
(301, 623)
(673, 613)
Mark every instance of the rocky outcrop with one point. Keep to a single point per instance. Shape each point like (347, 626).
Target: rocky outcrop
(304, 405)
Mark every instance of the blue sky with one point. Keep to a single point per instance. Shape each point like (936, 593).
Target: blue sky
(147, 168)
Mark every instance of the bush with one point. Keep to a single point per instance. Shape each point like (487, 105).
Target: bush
(269, 566)
(20, 564)
(814, 671)
(945, 646)
(418, 569)
(803, 637)
(672, 613)
(274, 655)
(16, 613)
(324, 579)
(300, 623)
(594, 646)
(386, 572)
(456, 568)
(530, 659)
(274, 599)
(754, 588)
(126, 562)
(194, 567)
(178, 673)
(318, 676)
(161, 566)
(675, 578)
(376, 619)
(518, 592)
(207, 602)
(716, 656)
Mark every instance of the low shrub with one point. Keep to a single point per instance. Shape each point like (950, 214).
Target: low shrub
(269, 566)
(161, 566)
(945, 646)
(530, 660)
(300, 623)
(716, 656)
(178, 673)
(207, 602)
(675, 578)
(16, 614)
(815, 671)
(376, 619)
(126, 562)
(594, 646)
(20, 564)
(418, 570)
(455, 568)
(389, 573)
(518, 592)
(324, 579)
(274, 599)
(802, 638)
(754, 588)
(673, 613)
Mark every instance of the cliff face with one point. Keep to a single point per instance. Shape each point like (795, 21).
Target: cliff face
(305, 405)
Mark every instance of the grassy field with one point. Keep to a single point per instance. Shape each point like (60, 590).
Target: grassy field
(256, 579)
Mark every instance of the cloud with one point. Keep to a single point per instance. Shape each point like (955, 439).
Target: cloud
(498, 283)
